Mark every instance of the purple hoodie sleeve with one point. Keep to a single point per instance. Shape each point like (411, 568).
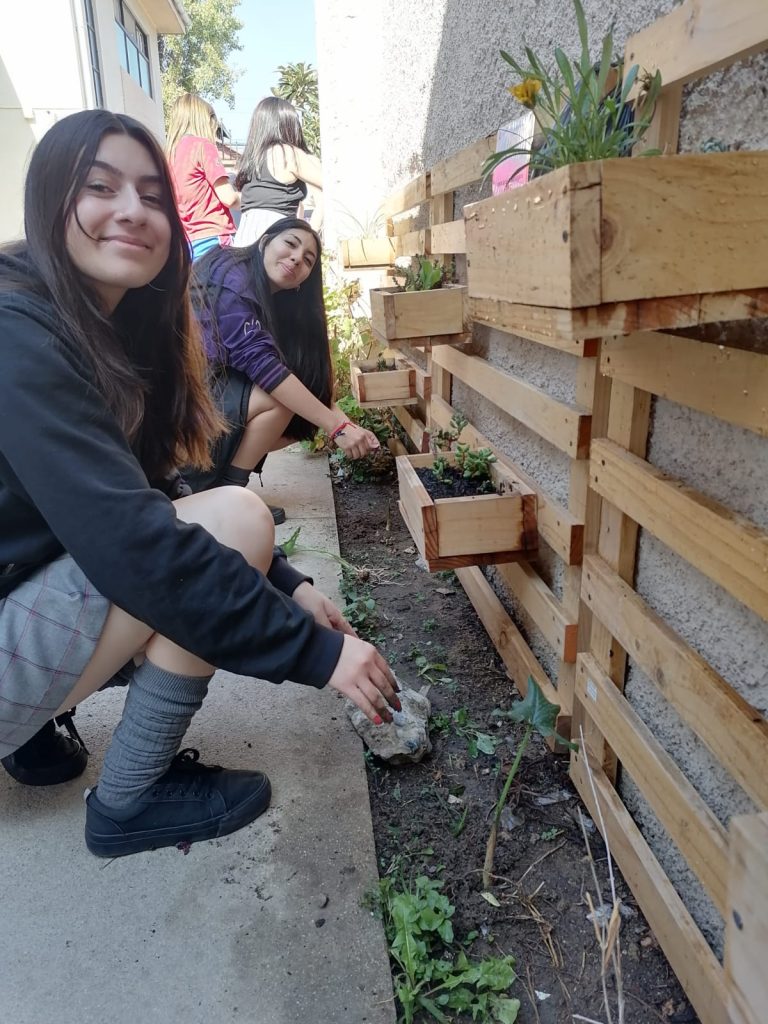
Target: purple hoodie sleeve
(245, 345)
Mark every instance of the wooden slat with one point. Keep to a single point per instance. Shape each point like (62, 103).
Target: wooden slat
(563, 425)
(404, 225)
(690, 957)
(699, 37)
(449, 238)
(367, 252)
(396, 446)
(728, 383)
(735, 732)
(463, 168)
(506, 637)
(501, 316)
(413, 427)
(543, 607)
(746, 932)
(540, 322)
(414, 243)
(557, 526)
(694, 828)
(723, 545)
(409, 195)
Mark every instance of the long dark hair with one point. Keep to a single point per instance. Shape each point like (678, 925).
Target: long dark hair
(274, 122)
(295, 319)
(147, 359)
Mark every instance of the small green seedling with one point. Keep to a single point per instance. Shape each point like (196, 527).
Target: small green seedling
(539, 716)
(425, 276)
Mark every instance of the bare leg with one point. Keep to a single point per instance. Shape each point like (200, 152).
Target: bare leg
(267, 421)
(237, 518)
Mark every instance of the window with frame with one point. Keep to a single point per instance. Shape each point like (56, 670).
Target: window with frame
(93, 53)
(132, 46)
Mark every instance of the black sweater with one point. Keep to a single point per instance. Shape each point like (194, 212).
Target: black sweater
(69, 482)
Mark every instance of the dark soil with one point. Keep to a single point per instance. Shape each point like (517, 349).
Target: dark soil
(455, 487)
(428, 630)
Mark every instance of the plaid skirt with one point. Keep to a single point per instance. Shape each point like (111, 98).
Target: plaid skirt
(49, 627)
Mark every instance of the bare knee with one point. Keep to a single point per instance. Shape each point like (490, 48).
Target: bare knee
(237, 518)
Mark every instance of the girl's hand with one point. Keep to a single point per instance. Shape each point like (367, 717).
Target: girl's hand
(323, 610)
(356, 442)
(364, 676)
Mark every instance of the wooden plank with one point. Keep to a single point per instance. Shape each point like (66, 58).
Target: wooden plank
(449, 238)
(405, 225)
(543, 607)
(728, 383)
(506, 637)
(690, 957)
(503, 316)
(656, 213)
(462, 168)
(396, 446)
(693, 827)
(612, 318)
(414, 243)
(557, 526)
(699, 37)
(735, 732)
(723, 545)
(557, 219)
(413, 427)
(746, 925)
(564, 426)
(409, 195)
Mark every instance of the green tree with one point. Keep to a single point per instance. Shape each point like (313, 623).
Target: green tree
(298, 84)
(198, 61)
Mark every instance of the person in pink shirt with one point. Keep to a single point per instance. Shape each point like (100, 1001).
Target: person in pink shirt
(204, 194)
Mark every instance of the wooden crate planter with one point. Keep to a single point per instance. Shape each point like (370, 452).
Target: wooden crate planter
(400, 316)
(451, 533)
(367, 252)
(373, 387)
(621, 230)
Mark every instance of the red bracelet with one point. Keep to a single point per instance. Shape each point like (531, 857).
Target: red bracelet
(340, 429)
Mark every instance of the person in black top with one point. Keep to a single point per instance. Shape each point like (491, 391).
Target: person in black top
(275, 169)
(102, 396)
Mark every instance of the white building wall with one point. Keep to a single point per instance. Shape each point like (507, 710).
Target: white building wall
(45, 74)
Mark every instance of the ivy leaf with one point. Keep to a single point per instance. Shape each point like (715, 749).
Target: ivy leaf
(486, 743)
(539, 713)
(505, 1011)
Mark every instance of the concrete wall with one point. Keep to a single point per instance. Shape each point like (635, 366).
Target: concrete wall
(45, 74)
(405, 85)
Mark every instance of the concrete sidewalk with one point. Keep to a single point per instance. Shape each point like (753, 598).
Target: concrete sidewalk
(262, 927)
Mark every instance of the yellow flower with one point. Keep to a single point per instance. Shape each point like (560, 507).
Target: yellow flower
(526, 91)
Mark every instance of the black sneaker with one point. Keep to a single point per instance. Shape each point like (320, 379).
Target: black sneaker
(49, 757)
(192, 801)
(278, 514)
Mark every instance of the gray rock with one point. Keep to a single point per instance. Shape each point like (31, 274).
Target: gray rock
(403, 741)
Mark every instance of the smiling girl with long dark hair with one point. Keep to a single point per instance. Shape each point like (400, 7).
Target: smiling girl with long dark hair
(102, 396)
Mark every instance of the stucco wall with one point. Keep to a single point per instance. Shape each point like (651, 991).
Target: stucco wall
(405, 85)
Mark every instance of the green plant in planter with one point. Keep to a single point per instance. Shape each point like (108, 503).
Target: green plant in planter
(475, 464)
(444, 440)
(441, 469)
(422, 277)
(583, 110)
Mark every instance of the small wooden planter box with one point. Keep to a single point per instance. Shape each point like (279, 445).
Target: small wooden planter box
(367, 252)
(397, 315)
(451, 533)
(620, 230)
(373, 387)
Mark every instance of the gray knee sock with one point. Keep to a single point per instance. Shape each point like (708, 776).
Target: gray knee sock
(157, 713)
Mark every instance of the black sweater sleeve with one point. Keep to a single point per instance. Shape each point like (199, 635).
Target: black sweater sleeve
(65, 455)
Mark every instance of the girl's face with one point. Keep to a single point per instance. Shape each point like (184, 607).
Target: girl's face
(118, 235)
(289, 258)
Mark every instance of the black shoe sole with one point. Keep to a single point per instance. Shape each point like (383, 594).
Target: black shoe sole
(49, 774)
(278, 514)
(156, 838)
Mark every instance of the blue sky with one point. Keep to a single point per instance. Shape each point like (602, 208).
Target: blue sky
(273, 33)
